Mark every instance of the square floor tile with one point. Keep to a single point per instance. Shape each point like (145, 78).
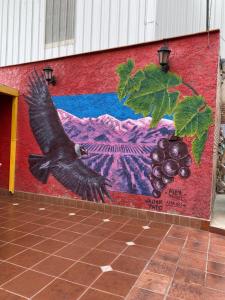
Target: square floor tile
(49, 246)
(119, 219)
(123, 236)
(88, 241)
(217, 250)
(44, 221)
(46, 231)
(192, 260)
(112, 246)
(137, 222)
(154, 232)
(197, 245)
(101, 215)
(81, 228)
(147, 242)
(27, 284)
(92, 221)
(187, 291)
(160, 225)
(99, 258)
(60, 290)
(29, 240)
(178, 231)
(155, 282)
(28, 258)
(209, 294)
(9, 250)
(216, 258)
(130, 265)
(215, 281)
(98, 295)
(82, 273)
(62, 224)
(189, 275)
(142, 294)
(216, 268)
(131, 229)
(85, 212)
(198, 235)
(139, 252)
(98, 231)
(66, 236)
(167, 256)
(28, 228)
(161, 267)
(113, 226)
(4, 295)
(8, 271)
(72, 252)
(11, 235)
(115, 283)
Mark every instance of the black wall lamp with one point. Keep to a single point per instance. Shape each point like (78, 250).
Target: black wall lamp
(163, 54)
(50, 78)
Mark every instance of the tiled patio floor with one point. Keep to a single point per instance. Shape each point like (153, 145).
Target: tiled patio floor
(53, 252)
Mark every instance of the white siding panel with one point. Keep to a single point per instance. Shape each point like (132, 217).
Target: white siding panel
(41, 30)
(23, 25)
(16, 33)
(29, 29)
(133, 26)
(105, 20)
(4, 33)
(96, 25)
(99, 24)
(114, 23)
(79, 27)
(87, 22)
(10, 32)
(150, 20)
(123, 21)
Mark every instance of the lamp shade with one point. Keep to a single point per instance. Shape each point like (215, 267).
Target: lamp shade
(163, 54)
(48, 73)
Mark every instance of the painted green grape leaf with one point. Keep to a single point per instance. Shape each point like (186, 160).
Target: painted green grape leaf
(157, 104)
(152, 97)
(134, 83)
(198, 146)
(127, 83)
(192, 117)
(124, 71)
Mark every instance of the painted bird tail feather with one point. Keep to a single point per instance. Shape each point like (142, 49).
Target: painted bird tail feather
(39, 167)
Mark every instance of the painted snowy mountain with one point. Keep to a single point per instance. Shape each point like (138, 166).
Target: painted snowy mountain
(118, 149)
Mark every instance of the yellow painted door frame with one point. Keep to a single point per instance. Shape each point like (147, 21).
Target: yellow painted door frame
(5, 90)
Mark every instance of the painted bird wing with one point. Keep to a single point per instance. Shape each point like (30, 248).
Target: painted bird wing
(76, 176)
(44, 119)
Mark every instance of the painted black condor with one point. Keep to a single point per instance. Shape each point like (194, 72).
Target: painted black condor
(60, 156)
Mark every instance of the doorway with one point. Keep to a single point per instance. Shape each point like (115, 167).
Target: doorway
(8, 128)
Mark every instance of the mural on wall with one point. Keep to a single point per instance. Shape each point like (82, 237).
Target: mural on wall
(152, 92)
(132, 141)
(60, 156)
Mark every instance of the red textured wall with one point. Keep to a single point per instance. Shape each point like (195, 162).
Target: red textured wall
(191, 58)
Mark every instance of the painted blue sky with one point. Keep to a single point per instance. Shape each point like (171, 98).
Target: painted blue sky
(95, 105)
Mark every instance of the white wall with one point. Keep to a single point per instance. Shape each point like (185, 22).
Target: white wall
(180, 17)
(99, 24)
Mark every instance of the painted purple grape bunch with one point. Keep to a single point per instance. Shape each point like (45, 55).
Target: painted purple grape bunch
(169, 158)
